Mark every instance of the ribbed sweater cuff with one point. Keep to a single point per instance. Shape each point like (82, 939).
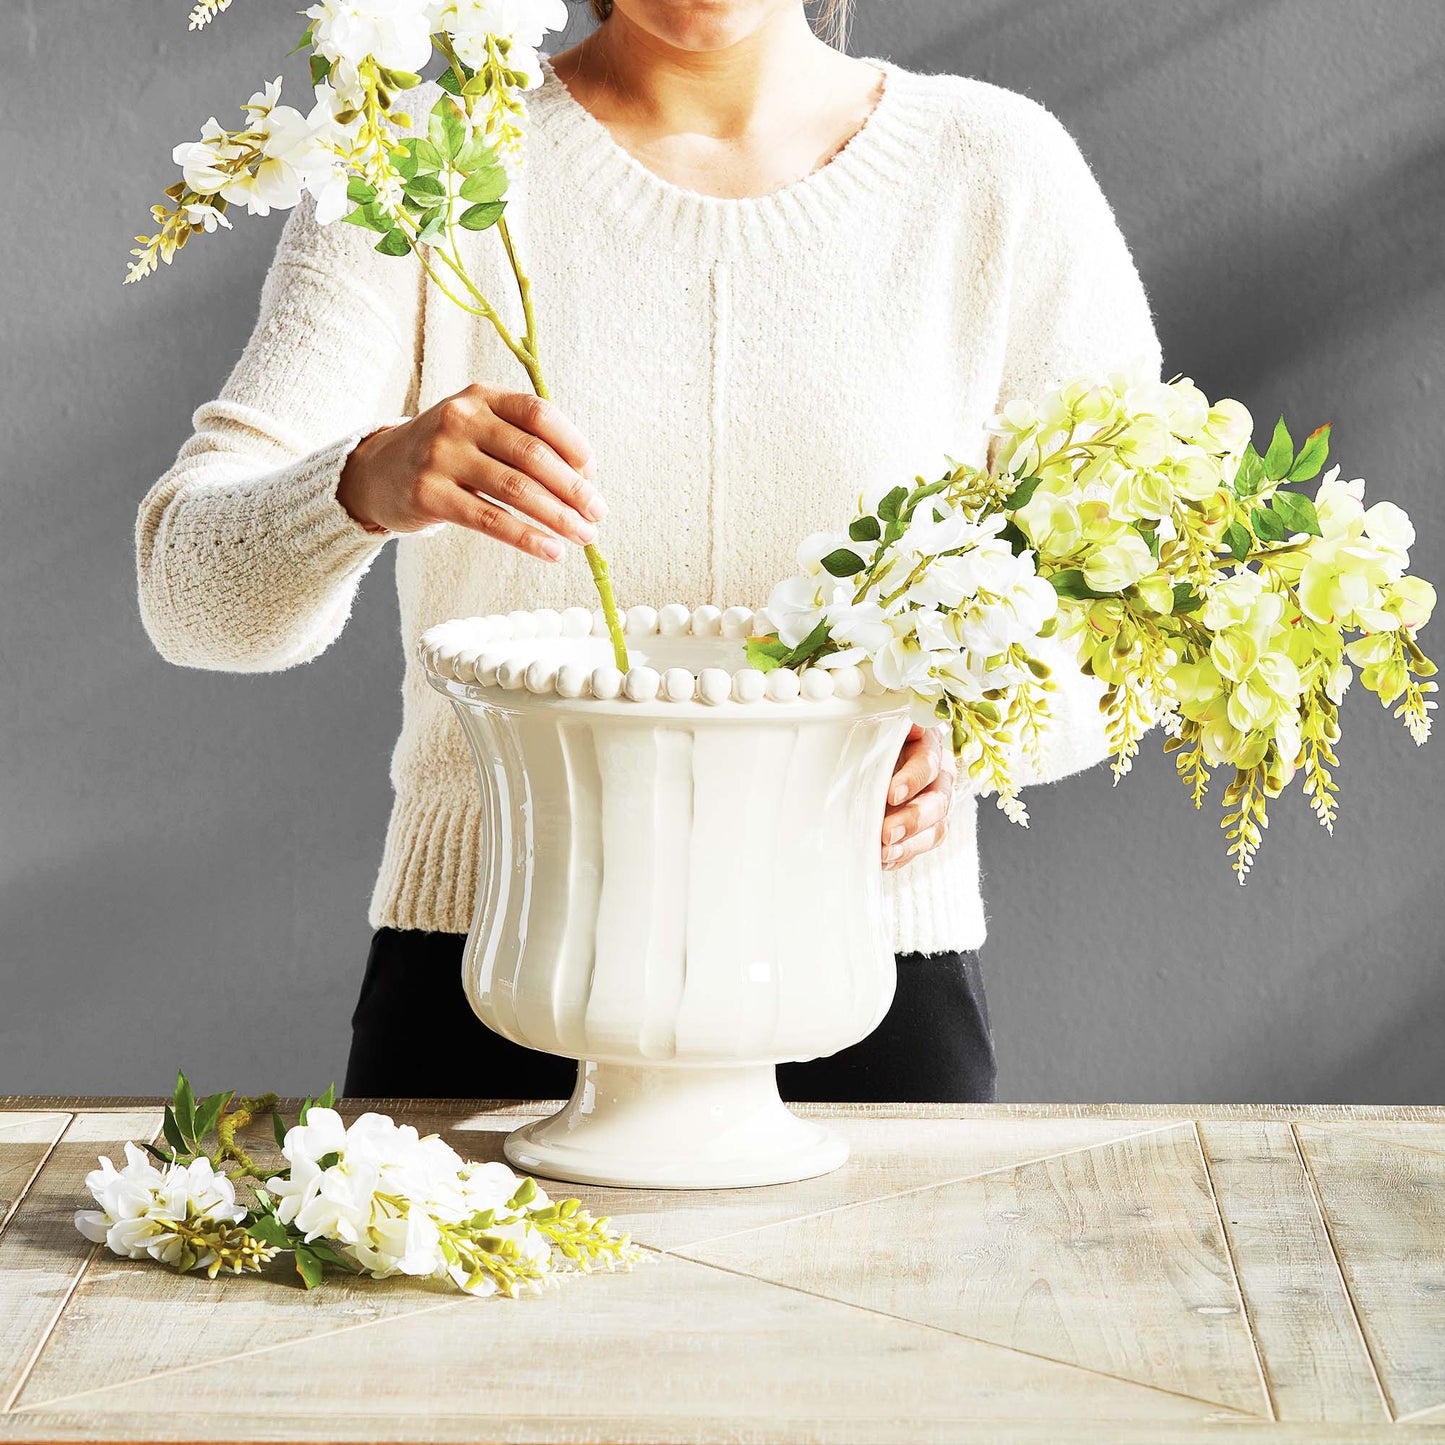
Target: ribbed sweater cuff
(305, 494)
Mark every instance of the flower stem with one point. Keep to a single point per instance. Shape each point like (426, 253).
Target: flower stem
(524, 287)
(526, 353)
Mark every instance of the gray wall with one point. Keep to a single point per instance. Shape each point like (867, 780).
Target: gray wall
(186, 856)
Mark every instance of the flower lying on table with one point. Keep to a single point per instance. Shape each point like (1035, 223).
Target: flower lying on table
(372, 1198)
(1138, 521)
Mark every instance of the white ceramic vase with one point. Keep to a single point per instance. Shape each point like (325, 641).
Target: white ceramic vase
(680, 882)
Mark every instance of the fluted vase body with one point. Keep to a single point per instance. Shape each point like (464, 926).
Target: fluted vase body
(680, 885)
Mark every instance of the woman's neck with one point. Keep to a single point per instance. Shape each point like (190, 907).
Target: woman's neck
(721, 92)
(738, 120)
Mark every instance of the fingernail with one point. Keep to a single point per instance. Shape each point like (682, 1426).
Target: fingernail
(895, 832)
(552, 549)
(587, 532)
(595, 507)
(895, 793)
(891, 854)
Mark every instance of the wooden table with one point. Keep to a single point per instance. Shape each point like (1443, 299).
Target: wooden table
(1010, 1272)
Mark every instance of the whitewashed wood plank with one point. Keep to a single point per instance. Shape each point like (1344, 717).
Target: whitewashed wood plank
(721, 1356)
(32, 1428)
(1315, 1361)
(889, 1156)
(1384, 1205)
(17, 1126)
(1406, 1133)
(42, 1254)
(1110, 1258)
(25, 1141)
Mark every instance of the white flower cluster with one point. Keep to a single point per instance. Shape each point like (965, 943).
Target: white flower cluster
(1112, 452)
(936, 611)
(282, 154)
(285, 154)
(517, 27)
(142, 1207)
(1250, 685)
(387, 1197)
(397, 34)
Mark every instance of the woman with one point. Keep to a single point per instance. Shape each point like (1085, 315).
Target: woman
(767, 275)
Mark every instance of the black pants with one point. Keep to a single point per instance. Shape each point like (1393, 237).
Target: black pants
(415, 1036)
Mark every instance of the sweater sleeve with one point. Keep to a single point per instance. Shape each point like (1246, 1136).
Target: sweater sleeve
(1076, 305)
(245, 559)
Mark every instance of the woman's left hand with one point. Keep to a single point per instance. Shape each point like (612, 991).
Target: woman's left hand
(919, 797)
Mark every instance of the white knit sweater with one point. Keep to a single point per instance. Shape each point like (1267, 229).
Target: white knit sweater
(742, 369)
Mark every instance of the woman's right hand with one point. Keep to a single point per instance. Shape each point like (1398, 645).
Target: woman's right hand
(460, 458)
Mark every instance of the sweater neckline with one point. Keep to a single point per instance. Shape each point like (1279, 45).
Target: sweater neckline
(606, 173)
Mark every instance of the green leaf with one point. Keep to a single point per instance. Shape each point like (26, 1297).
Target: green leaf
(1268, 526)
(306, 40)
(922, 495)
(486, 184)
(765, 654)
(812, 643)
(1015, 536)
(370, 217)
(1151, 537)
(184, 1102)
(1186, 599)
(478, 218)
(428, 156)
(308, 1265)
(843, 563)
(172, 1132)
(1070, 583)
(269, 1230)
(475, 155)
(330, 1159)
(1236, 538)
(1250, 476)
(1020, 495)
(1280, 456)
(448, 78)
(889, 507)
(446, 127)
(427, 189)
(394, 243)
(1313, 455)
(1297, 513)
(864, 529)
(304, 1110)
(324, 1250)
(208, 1111)
(360, 191)
(155, 1153)
(278, 1127)
(320, 69)
(433, 226)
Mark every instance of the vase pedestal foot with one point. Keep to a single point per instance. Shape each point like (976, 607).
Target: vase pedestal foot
(675, 1127)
